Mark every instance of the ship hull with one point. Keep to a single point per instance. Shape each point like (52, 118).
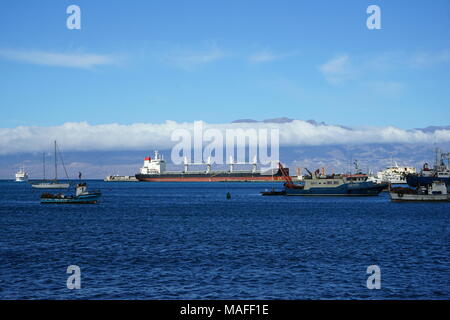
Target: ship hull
(207, 178)
(399, 197)
(51, 185)
(360, 189)
(415, 180)
(92, 198)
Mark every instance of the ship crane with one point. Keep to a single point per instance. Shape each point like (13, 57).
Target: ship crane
(446, 155)
(254, 164)
(187, 164)
(289, 183)
(310, 173)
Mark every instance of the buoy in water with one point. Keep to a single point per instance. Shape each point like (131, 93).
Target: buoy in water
(228, 195)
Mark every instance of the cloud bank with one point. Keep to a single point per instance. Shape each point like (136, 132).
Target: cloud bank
(81, 136)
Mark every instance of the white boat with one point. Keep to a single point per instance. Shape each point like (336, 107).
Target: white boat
(437, 191)
(117, 178)
(52, 184)
(393, 174)
(21, 175)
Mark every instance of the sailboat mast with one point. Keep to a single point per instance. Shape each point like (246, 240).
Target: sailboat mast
(43, 163)
(56, 170)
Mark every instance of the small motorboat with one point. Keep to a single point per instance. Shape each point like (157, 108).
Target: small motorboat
(82, 196)
(273, 192)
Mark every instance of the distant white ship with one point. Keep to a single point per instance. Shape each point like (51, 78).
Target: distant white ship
(117, 178)
(393, 174)
(21, 175)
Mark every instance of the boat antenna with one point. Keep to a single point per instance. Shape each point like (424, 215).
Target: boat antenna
(43, 163)
(56, 167)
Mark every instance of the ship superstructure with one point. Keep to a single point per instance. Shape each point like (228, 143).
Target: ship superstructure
(393, 174)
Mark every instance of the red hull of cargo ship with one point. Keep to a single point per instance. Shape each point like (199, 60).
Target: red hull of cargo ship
(212, 179)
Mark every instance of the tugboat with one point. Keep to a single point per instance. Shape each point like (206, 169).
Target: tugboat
(319, 184)
(82, 196)
(436, 191)
(439, 172)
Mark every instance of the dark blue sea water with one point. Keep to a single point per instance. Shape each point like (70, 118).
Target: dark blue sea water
(187, 241)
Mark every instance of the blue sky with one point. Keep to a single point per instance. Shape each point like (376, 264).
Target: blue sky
(217, 61)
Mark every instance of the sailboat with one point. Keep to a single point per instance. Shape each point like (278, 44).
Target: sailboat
(52, 184)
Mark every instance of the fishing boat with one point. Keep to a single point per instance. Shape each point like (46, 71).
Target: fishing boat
(52, 184)
(82, 196)
(320, 184)
(439, 172)
(436, 191)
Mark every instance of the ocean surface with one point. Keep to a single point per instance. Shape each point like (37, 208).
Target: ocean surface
(187, 241)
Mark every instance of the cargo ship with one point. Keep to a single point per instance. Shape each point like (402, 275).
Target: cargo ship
(154, 170)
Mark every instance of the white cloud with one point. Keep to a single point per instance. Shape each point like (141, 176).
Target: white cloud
(341, 68)
(189, 60)
(268, 56)
(387, 88)
(82, 136)
(427, 59)
(337, 69)
(263, 56)
(73, 60)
